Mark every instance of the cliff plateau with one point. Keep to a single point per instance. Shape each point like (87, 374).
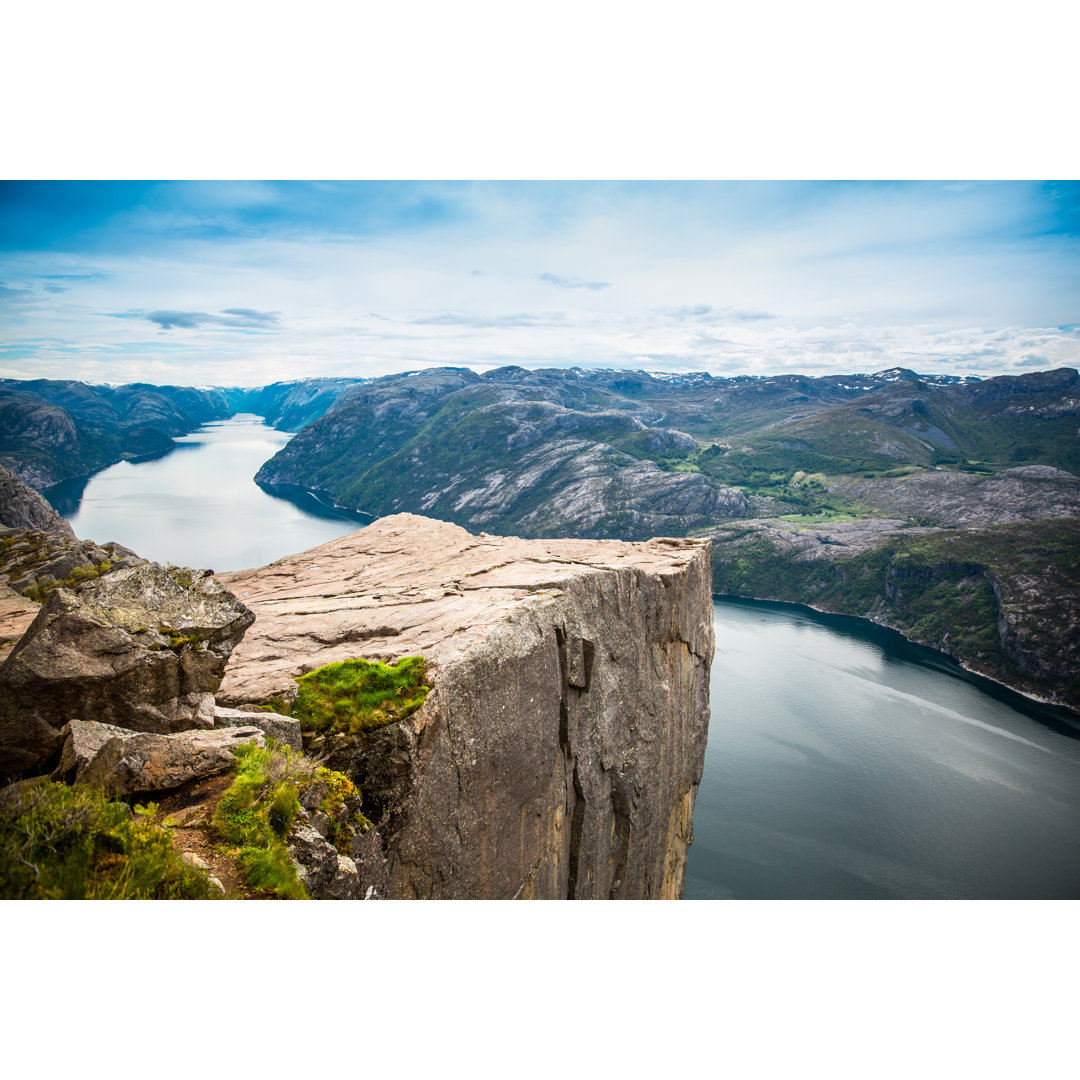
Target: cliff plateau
(559, 751)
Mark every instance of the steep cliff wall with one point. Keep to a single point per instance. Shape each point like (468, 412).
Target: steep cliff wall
(560, 750)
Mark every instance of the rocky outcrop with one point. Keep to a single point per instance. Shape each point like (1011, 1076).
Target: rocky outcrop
(284, 730)
(558, 754)
(321, 868)
(21, 507)
(143, 648)
(1027, 493)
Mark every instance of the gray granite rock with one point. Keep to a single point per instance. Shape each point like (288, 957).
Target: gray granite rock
(82, 740)
(284, 730)
(140, 763)
(143, 648)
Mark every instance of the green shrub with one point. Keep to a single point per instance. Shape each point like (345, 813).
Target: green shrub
(254, 816)
(72, 843)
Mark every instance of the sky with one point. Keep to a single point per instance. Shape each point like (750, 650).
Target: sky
(247, 283)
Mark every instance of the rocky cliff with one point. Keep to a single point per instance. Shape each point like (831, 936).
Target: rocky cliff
(559, 751)
(1003, 599)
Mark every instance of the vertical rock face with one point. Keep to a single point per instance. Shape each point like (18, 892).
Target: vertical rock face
(23, 508)
(559, 752)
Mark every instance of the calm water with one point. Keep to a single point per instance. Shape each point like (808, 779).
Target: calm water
(844, 762)
(198, 505)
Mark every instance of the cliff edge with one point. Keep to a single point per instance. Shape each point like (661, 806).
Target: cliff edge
(559, 752)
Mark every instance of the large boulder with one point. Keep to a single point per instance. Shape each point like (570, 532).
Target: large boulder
(138, 764)
(143, 648)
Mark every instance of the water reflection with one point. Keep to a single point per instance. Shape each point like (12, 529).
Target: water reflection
(844, 762)
(199, 506)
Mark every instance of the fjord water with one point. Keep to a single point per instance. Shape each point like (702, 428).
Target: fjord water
(198, 505)
(842, 761)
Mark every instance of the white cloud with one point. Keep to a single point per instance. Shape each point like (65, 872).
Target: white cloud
(856, 278)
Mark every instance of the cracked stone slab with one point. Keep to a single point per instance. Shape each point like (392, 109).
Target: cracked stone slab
(408, 584)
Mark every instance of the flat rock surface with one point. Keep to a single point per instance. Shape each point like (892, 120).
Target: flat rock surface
(407, 585)
(16, 615)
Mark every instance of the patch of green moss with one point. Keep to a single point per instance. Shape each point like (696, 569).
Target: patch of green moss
(39, 590)
(177, 642)
(72, 843)
(359, 695)
(254, 816)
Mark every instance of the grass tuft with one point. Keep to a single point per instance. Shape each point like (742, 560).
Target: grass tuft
(254, 816)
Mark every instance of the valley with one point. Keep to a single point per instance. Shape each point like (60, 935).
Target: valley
(945, 507)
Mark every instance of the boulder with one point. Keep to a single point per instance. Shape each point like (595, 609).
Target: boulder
(82, 740)
(137, 764)
(284, 730)
(143, 648)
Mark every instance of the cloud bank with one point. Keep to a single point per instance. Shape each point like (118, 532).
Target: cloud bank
(118, 282)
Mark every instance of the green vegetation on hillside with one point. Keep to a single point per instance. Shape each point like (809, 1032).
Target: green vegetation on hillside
(72, 843)
(254, 816)
(941, 588)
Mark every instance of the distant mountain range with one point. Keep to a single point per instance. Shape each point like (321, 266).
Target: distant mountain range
(631, 455)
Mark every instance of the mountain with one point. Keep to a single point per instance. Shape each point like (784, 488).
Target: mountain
(631, 455)
(52, 430)
(289, 406)
(532, 453)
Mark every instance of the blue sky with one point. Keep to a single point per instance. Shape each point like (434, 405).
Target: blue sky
(247, 283)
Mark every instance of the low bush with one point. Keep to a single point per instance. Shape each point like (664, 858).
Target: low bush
(72, 843)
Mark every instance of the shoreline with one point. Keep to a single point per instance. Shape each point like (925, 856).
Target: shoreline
(1046, 707)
